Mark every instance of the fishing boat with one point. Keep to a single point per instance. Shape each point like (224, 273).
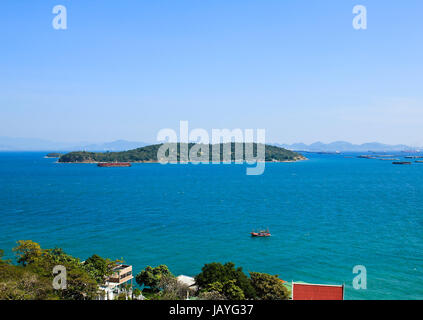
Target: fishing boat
(261, 234)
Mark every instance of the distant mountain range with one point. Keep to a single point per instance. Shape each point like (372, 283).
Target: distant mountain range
(343, 146)
(32, 144)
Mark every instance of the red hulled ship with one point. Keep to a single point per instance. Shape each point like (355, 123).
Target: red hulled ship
(114, 164)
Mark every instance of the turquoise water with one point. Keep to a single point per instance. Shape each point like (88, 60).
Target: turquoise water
(326, 215)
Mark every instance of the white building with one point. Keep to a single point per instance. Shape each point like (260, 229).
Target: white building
(189, 282)
(119, 282)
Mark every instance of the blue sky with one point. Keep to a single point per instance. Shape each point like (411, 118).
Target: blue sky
(126, 69)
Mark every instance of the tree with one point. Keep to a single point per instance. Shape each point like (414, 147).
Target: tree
(80, 284)
(228, 289)
(99, 268)
(212, 295)
(19, 283)
(216, 272)
(151, 277)
(27, 251)
(32, 279)
(136, 293)
(58, 256)
(173, 289)
(22, 285)
(268, 287)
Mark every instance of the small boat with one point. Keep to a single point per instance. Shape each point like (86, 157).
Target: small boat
(261, 234)
(401, 162)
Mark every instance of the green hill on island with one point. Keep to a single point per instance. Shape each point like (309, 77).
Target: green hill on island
(53, 155)
(149, 154)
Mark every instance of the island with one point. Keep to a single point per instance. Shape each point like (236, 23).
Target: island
(148, 154)
(53, 155)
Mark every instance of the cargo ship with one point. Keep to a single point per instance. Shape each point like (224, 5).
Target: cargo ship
(401, 162)
(114, 164)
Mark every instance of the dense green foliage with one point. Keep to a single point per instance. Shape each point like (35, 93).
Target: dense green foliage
(228, 289)
(211, 295)
(151, 277)
(148, 153)
(32, 278)
(99, 268)
(216, 272)
(27, 251)
(19, 283)
(268, 287)
(238, 152)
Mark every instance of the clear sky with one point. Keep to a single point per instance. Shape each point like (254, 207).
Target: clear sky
(297, 68)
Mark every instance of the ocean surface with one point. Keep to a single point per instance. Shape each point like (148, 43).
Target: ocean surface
(326, 216)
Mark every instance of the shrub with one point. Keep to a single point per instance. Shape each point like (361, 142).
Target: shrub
(216, 272)
(268, 287)
(151, 277)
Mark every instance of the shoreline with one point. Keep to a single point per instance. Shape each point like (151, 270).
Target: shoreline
(178, 162)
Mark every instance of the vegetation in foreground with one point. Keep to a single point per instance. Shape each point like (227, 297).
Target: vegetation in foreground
(31, 279)
(149, 154)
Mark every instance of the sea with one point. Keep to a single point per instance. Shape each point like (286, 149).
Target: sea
(327, 215)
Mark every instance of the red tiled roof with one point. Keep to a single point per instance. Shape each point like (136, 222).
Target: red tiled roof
(303, 291)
